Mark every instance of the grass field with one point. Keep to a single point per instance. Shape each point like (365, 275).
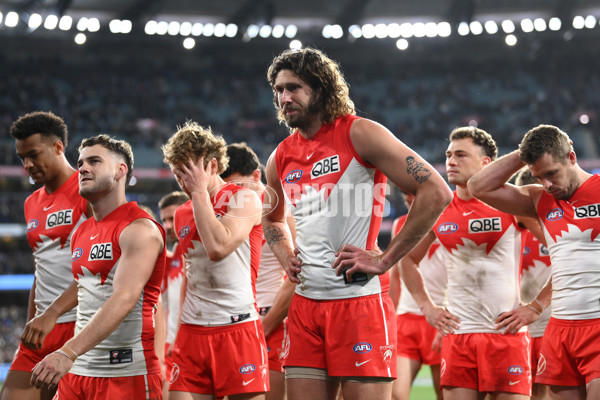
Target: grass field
(422, 388)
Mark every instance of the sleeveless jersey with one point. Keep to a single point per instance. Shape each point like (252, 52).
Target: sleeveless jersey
(51, 221)
(172, 293)
(129, 350)
(270, 277)
(483, 261)
(535, 271)
(336, 198)
(218, 292)
(571, 228)
(433, 269)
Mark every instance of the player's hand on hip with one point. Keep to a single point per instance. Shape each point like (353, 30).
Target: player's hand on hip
(36, 330)
(352, 259)
(293, 267)
(48, 372)
(512, 321)
(441, 319)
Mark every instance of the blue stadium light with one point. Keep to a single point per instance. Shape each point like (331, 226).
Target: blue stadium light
(16, 282)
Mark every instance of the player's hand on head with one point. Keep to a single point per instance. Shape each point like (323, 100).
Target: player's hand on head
(351, 260)
(36, 331)
(511, 321)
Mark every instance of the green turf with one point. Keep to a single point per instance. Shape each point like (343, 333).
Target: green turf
(422, 388)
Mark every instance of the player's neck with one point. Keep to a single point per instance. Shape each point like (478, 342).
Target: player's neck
(65, 172)
(463, 193)
(311, 129)
(108, 203)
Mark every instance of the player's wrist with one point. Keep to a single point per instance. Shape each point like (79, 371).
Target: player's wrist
(68, 352)
(536, 306)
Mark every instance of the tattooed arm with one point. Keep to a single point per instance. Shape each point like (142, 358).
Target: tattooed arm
(407, 170)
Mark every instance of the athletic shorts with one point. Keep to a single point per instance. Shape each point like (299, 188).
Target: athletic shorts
(346, 337)
(276, 344)
(536, 346)
(168, 360)
(77, 387)
(220, 360)
(570, 354)
(487, 362)
(415, 337)
(26, 358)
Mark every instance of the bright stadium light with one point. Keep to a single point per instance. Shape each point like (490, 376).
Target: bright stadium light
(185, 29)
(526, 25)
(265, 31)
(431, 29)
(12, 19)
(511, 40)
(491, 27)
(93, 25)
(252, 31)
(508, 26)
(381, 31)
(80, 38)
(278, 31)
(126, 26)
(114, 26)
(406, 30)
(197, 29)
(336, 31)
(590, 22)
(220, 29)
(355, 31)
(584, 119)
(51, 22)
(578, 22)
(326, 32)
(1, 17)
(173, 29)
(82, 25)
(419, 29)
(35, 20)
(463, 29)
(476, 27)
(231, 30)
(539, 24)
(209, 29)
(444, 29)
(151, 27)
(65, 23)
(291, 31)
(554, 24)
(162, 28)
(295, 44)
(394, 30)
(189, 43)
(368, 31)
(402, 44)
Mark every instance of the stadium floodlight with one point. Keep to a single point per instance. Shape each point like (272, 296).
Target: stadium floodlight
(431, 29)
(173, 29)
(463, 29)
(151, 27)
(189, 43)
(355, 31)
(291, 31)
(326, 32)
(265, 31)
(419, 29)
(336, 31)
(381, 31)
(197, 29)
(80, 38)
(368, 31)
(162, 27)
(444, 29)
(93, 24)
(278, 31)
(1, 17)
(406, 30)
(12, 19)
(539, 24)
(508, 26)
(51, 22)
(511, 40)
(209, 29)
(491, 27)
(394, 30)
(126, 26)
(185, 29)
(82, 25)
(527, 25)
(476, 27)
(65, 23)
(402, 44)
(584, 119)
(231, 30)
(252, 30)
(578, 22)
(554, 24)
(295, 44)
(35, 20)
(590, 22)
(220, 29)
(115, 26)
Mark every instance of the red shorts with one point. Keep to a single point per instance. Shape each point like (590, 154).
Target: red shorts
(220, 360)
(570, 354)
(536, 346)
(276, 345)
(168, 360)
(347, 337)
(26, 358)
(72, 387)
(487, 362)
(415, 337)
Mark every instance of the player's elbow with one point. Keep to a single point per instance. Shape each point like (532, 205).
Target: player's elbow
(217, 254)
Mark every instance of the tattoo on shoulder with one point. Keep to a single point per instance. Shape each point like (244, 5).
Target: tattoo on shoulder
(273, 235)
(417, 169)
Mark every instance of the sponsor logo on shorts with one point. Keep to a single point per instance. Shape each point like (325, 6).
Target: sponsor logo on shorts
(293, 176)
(183, 232)
(244, 383)
(32, 224)
(78, 252)
(541, 365)
(443, 367)
(447, 228)
(174, 373)
(247, 369)
(362, 347)
(513, 383)
(554, 214)
(515, 370)
(388, 353)
(358, 364)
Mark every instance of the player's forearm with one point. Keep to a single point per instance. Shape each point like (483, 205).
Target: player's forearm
(216, 238)
(65, 302)
(495, 175)
(279, 239)
(31, 302)
(544, 297)
(413, 279)
(279, 309)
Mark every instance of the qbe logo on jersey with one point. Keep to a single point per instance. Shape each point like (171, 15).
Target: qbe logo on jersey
(59, 218)
(101, 251)
(481, 225)
(589, 211)
(325, 166)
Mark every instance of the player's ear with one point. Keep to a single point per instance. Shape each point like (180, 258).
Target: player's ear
(122, 171)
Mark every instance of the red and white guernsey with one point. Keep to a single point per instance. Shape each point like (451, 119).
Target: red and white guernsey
(129, 350)
(483, 263)
(51, 221)
(433, 269)
(571, 228)
(218, 292)
(535, 271)
(174, 279)
(336, 198)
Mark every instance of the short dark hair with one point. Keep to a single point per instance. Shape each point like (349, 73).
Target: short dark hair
(242, 160)
(480, 137)
(119, 147)
(43, 122)
(545, 139)
(176, 198)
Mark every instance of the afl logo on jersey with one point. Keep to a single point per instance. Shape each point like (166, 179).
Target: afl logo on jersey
(447, 227)
(555, 214)
(294, 176)
(183, 232)
(32, 224)
(526, 250)
(78, 252)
